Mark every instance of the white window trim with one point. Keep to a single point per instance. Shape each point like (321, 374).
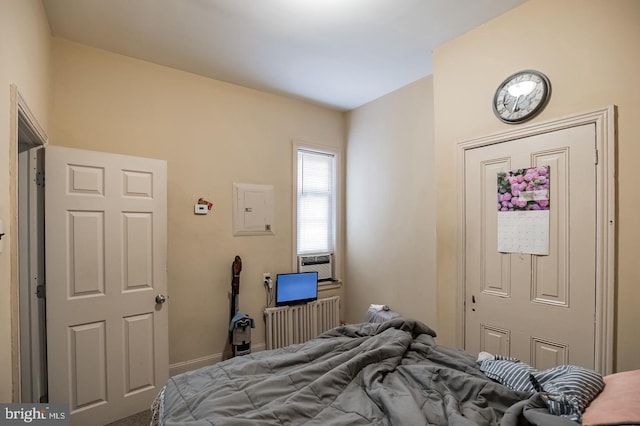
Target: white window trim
(337, 252)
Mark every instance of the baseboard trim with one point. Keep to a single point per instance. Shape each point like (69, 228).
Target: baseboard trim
(193, 364)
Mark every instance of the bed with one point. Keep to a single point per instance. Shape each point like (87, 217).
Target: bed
(393, 373)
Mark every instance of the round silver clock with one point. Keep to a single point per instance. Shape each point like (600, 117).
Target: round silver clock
(521, 96)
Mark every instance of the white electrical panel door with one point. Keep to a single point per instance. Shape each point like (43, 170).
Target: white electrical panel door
(252, 209)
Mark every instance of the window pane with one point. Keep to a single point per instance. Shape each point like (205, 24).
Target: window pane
(314, 224)
(316, 175)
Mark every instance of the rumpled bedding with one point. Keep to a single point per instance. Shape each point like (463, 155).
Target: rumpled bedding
(391, 373)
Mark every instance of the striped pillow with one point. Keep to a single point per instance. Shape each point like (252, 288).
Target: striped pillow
(568, 389)
(509, 372)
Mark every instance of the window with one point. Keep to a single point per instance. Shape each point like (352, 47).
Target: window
(316, 201)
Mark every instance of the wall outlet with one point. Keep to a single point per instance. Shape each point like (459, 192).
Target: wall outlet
(266, 279)
(201, 209)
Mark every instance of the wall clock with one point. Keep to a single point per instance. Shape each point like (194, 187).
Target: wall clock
(521, 96)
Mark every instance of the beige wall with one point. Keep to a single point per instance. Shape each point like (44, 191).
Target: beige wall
(24, 61)
(212, 134)
(390, 244)
(589, 50)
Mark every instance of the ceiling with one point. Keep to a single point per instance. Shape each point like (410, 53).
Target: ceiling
(338, 53)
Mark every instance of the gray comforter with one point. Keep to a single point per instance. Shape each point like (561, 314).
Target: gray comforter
(368, 374)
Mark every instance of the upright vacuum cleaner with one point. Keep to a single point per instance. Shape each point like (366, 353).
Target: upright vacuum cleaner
(241, 324)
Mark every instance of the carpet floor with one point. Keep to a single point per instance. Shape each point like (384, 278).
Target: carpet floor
(138, 419)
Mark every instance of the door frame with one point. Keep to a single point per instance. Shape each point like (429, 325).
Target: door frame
(20, 117)
(604, 120)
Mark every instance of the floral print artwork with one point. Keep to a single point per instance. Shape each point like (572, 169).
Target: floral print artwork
(524, 189)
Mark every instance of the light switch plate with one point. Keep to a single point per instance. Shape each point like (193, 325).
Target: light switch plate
(201, 209)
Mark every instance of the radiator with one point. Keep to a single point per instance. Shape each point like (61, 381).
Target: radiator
(288, 325)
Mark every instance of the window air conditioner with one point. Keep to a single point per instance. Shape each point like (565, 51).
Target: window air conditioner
(321, 263)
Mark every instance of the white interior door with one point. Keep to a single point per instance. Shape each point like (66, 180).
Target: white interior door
(105, 264)
(540, 309)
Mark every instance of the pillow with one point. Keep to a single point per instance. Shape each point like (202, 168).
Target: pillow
(568, 389)
(509, 372)
(619, 402)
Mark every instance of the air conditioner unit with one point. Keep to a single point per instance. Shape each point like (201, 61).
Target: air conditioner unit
(321, 263)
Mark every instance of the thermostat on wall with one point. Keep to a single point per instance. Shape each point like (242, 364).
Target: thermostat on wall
(201, 209)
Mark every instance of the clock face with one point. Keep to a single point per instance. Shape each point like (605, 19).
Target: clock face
(521, 96)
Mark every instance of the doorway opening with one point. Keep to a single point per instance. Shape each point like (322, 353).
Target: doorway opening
(28, 141)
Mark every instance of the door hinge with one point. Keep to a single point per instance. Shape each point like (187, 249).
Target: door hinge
(40, 179)
(595, 157)
(41, 291)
